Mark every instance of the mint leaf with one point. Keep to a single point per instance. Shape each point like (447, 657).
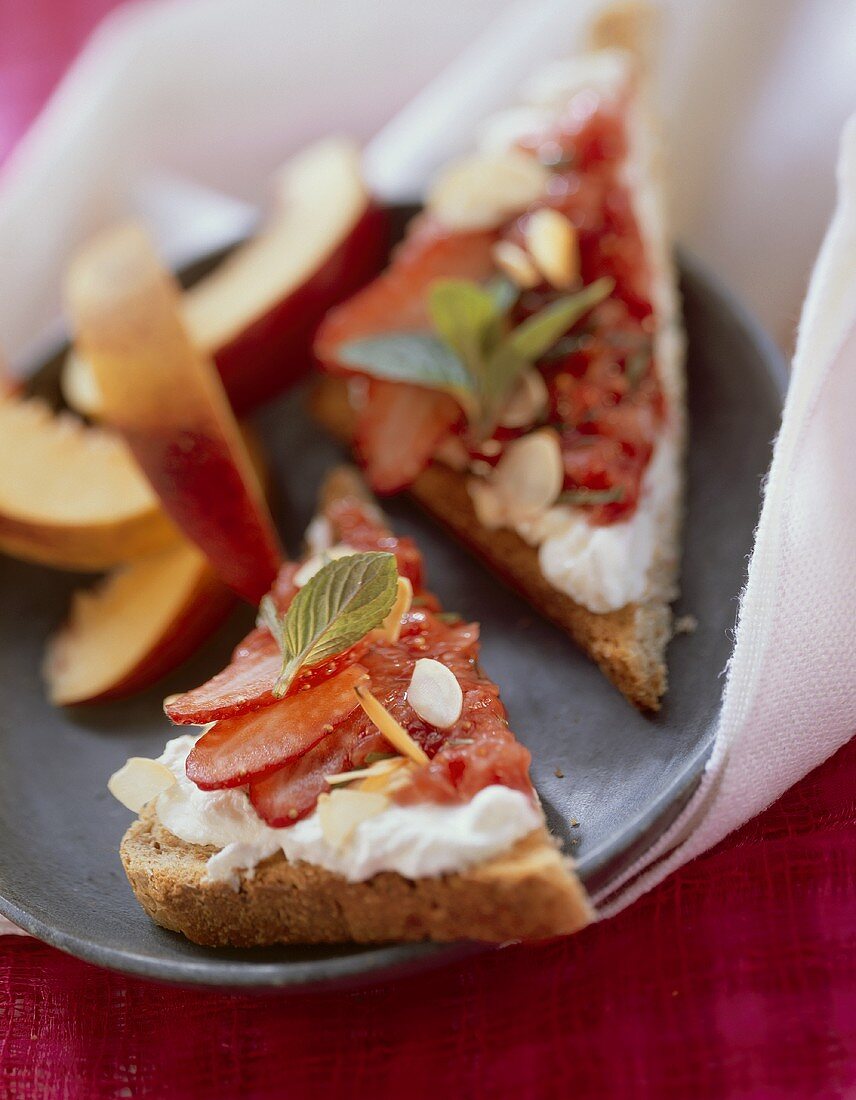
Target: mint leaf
(345, 599)
(416, 357)
(537, 334)
(462, 313)
(503, 370)
(472, 356)
(526, 344)
(504, 293)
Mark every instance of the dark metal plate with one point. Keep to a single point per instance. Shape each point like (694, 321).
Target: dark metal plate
(624, 776)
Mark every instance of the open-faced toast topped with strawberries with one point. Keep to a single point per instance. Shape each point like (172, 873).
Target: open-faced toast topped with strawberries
(359, 781)
(519, 365)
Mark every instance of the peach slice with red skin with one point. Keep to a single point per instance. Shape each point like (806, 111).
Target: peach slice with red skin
(400, 425)
(135, 626)
(71, 496)
(257, 312)
(167, 401)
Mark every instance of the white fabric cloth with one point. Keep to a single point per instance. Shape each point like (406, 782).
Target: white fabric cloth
(790, 694)
(180, 111)
(218, 93)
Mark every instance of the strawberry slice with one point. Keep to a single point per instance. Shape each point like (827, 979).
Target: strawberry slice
(244, 685)
(358, 525)
(401, 425)
(247, 683)
(397, 300)
(291, 793)
(238, 750)
(399, 431)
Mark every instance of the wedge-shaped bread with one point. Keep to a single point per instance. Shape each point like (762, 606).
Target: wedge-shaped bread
(488, 217)
(525, 890)
(629, 645)
(526, 894)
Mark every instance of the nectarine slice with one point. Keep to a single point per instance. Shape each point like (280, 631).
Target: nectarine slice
(72, 496)
(166, 399)
(256, 313)
(134, 626)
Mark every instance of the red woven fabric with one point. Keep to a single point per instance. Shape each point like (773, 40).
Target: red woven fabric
(736, 978)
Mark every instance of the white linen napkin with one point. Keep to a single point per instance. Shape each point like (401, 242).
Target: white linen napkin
(178, 113)
(790, 692)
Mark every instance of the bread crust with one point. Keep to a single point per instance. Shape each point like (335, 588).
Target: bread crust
(629, 645)
(528, 893)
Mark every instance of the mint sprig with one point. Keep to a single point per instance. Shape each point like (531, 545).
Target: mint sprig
(473, 354)
(337, 607)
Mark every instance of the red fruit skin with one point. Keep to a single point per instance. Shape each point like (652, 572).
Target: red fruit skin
(202, 491)
(397, 299)
(401, 425)
(240, 750)
(275, 351)
(287, 795)
(399, 431)
(245, 684)
(204, 611)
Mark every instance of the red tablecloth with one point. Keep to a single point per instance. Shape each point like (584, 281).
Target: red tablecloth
(736, 978)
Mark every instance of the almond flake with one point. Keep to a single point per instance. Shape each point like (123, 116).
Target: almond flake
(527, 402)
(530, 474)
(138, 781)
(380, 768)
(403, 600)
(393, 731)
(390, 780)
(341, 811)
(514, 262)
(552, 242)
(316, 562)
(435, 694)
(485, 190)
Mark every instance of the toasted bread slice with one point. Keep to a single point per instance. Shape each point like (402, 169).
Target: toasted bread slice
(529, 891)
(628, 642)
(629, 645)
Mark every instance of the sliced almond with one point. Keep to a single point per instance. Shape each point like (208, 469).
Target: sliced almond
(380, 767)
(341, 811)
(316, 563)
(527, 402)
(319, 535)
(403, 600)
(435, 694)
(138, 781)
(393, 731)
(530, 474)
(388, 781)
(552, 242)
(485, 190)
(453, 453)
(487, 503)
(514, 262)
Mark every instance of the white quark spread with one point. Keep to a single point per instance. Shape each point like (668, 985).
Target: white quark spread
(602, 568)
(416, 841)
